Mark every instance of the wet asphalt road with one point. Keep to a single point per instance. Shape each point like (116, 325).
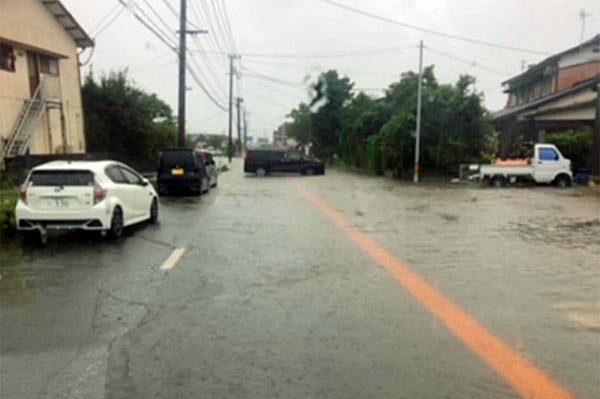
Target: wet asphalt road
(271, 300)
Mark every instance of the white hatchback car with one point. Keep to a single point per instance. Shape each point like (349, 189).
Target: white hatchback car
(103, 196)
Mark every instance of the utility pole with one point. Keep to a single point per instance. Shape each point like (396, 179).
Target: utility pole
(231, 72)
(245, 132)
(419, 101)
(239, 127)
(595, 169)
(582, 16)
(182, 74)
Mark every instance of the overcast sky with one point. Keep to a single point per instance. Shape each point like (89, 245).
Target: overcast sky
(354, 45)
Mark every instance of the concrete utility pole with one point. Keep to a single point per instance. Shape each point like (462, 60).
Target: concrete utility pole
(231, 72)
(245, 143)
(182, 74)
(595, 169)
(239, 126)
(418, 132)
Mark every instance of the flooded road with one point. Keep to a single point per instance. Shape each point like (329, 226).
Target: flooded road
(269, 296)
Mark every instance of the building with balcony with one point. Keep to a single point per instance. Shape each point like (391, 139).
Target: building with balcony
(557, 94)
(40, 91)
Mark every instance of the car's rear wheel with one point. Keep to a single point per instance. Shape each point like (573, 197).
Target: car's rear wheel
(498, 181)
(154, 211)
(260, 171)
(309, 171)
(116, 224)
(31, 237)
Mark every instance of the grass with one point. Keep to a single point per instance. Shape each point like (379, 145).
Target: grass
(8, 201)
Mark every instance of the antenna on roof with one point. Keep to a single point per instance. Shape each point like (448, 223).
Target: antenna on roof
(582, 16)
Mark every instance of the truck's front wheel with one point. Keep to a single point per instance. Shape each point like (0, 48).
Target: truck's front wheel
(562, 181)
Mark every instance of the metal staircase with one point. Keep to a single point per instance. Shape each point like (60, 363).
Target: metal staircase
(26, 125)
(46, 96)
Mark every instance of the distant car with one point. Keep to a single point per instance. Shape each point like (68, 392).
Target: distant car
(182, 169)
(265, 161)
(211, 167)
(103, 196)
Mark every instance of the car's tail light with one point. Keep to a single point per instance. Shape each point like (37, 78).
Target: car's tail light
(23, 193)
(99, 193)
(247, 157)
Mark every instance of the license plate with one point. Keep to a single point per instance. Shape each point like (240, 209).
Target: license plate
(58, 203)
(177, 172)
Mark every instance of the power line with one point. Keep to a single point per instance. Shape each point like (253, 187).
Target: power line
(207, 118)
(110, 22)
(104, 18)
(295, 97)
(431, 31)
(210, 96)
(171, 8)
(220, 28)
(209, 85)
(207, 22)
(320, 69)
(211, 70)
(158, 16)
(150, 21)
(267, 100)
(228, 25)
(173, 47)
(149, 27)
(471, 63)
(329, 54)
(252, 73)
(219, 40)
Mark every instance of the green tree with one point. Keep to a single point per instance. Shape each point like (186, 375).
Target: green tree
(332, 94)
(575, 145)
(124, 122)
(300, 129)
(380, 133)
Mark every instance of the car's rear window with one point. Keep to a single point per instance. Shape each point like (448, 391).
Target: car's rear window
(171, 159)
(61, 178)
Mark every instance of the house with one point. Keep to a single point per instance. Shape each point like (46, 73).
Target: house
(40, 91)
(557, 94)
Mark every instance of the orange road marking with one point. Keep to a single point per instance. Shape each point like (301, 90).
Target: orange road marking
(529, 381)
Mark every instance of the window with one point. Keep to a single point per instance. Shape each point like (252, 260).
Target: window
(7, 58)
(62, 178)
(130, 176)
(48, 65)
(293, 156)
(548, 154)
(115, 175)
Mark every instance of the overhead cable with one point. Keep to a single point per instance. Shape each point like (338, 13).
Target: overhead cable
(432, 31)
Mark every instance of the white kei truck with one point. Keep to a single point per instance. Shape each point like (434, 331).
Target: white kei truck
(546, 166)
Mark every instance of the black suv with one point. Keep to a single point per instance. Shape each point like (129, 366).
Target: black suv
(181, 169)
(264, 161)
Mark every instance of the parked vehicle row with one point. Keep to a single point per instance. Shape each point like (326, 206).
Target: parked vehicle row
(106, 196)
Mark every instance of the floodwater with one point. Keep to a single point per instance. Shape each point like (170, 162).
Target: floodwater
(271, 299)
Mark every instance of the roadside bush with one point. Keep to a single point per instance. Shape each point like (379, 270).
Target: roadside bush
(575, 145)
(8, 201)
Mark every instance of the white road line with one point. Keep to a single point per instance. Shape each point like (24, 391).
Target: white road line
(172, 260)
